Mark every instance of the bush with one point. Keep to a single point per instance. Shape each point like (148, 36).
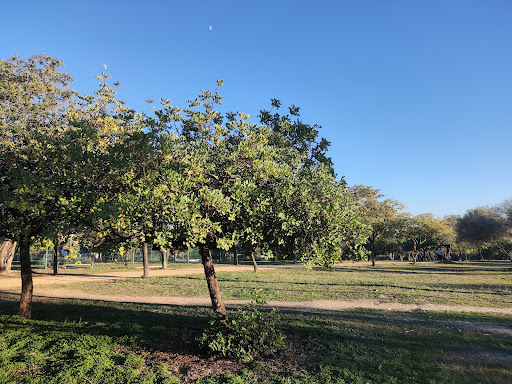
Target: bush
(250, 333)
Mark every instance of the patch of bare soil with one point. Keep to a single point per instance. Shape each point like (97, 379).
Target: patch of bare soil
(191, 366)
(484, 362)
(482, 327)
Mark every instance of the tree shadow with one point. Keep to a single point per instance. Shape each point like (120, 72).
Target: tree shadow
(427, 270)
(136, 323)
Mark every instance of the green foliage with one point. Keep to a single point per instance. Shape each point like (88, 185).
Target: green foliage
(34, 355)
(485, 227)
(249, 334)
(380, 215)
(61, 154)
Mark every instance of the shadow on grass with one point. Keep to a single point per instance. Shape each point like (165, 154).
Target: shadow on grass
(429, 270)
(484, 288)
(142, 324)
(352, 346)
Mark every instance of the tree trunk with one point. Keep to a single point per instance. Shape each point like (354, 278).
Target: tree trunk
(145, 260)
(414, 255)
(254, 264)
(164, 258)
(370, 245)
(27, 286)
(213, 284)
(235, 255)
(504, 251)
(7, 250)
(57, 250)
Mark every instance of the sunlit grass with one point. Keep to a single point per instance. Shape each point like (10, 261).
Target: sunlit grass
(98, 342)
(474, 284)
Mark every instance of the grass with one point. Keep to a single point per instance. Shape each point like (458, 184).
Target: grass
(107, 267)
(474, 284)
(97, 342)
(101, 342)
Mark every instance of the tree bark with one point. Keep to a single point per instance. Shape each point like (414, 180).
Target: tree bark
(213, 284)
(145, 260)
(164, 258)
(504, 251)
(7, 250)
(57, 250)
(27, 286)
(254, 264)
(235, 255)
(370, 245)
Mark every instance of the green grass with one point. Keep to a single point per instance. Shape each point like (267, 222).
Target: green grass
(108, 267)
(93, 342)
(475, 284)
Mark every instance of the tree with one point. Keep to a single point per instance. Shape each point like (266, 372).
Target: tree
(7, 250)
(290, 131)
(313, 210)
(34, 97)
(484, 227)
(423, 230)
(203, 153)
(380, 215)
(449, 237)
(249, 184)
(154, 205)
(262, 170)
(57, 161)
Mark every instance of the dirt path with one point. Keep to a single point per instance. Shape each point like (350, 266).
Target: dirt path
(13, 280)
(49, 286)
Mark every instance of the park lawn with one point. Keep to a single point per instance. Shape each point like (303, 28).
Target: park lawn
(473, 284)
(98, 342)
(99, 268)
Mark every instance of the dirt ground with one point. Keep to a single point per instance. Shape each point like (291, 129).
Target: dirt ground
(52, 286)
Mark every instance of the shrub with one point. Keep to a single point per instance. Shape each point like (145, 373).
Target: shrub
(250, 333)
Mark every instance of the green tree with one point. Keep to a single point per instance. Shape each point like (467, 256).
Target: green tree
(289, 130)
(206, 165)
(449, 238)
(423, 230)
(379, 214)
(34, 98)
(484, 227)
(57, 155)
(263, 170)
(247, 184)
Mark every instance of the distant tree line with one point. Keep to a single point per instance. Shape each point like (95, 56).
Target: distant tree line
(481, 233)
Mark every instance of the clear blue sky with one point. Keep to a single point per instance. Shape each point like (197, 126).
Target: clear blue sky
(415, 96)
